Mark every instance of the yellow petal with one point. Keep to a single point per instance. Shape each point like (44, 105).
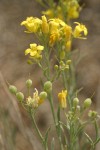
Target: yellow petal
(33, 45)
(33, 53)
(27, 51)
(40, 47)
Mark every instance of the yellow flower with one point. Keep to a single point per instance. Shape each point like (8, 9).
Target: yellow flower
(73, 10)
(54, 37)
(62, 98)
(55, 29)
(59, 12)
(67, 31)
(80, 30)
(54, 26)
(32, 24)
(45, 25)
(34, 51)
(57, 21)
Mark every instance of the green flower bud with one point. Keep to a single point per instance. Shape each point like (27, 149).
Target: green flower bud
(68, 62)
(56, 67)
(87, 103)
(75, 101)
(20, 96)
(29, 83)
(61, 63)
(48, 86)
(29, 62)
(12, 89)
(43, 95)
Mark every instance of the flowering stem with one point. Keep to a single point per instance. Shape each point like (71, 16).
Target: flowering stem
(55, 121)
(37, 130)
(52, 108)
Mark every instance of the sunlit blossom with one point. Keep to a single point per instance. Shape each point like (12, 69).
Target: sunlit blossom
(32, 24)
(35, 51)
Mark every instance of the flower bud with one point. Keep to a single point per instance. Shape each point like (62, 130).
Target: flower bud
(29, 83)
(75, 101)
(48, 86)
(43, 95)
(61, 63)
(68, 45)
(62, 98)
(87, 103)
(45, 25)
(68, 62)
(78, 108)
(56, 67)
(20, 96)
(12, 89)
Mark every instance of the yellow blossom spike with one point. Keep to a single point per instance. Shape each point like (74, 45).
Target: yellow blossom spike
(62, 98)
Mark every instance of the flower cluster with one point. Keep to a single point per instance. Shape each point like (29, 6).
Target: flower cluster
(32, 102)
(55, 28)
(51, 32)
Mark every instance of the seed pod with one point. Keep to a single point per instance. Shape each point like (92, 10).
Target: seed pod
(20, 96)
(12, 89)
(29, 83)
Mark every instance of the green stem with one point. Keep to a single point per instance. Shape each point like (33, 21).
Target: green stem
(52, 107)
(55, 121)
(38, 131)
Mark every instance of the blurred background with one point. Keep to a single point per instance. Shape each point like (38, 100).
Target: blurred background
(16, 131)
